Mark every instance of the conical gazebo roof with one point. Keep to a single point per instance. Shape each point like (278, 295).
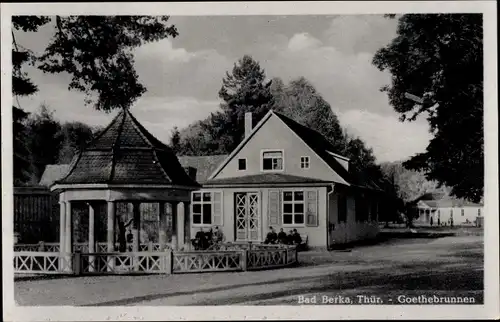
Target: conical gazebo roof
(126, 153)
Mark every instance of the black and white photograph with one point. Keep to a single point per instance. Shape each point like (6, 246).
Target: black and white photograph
(250, 160)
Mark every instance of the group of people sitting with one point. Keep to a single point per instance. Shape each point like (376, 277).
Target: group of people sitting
(204, 239)
(293, 237)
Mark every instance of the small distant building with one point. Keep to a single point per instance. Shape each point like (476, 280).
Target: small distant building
(438, 209)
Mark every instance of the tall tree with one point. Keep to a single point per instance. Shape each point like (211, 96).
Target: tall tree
(243, 90)
(44, 141)
(439, 58)
(97, 51)
(300, 101)
(175, 140)
(22, 86)
(73, 137)
(21, 153)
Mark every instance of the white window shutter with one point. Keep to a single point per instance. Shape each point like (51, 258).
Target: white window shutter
(217, 217)
(273, 211)
(312, 208)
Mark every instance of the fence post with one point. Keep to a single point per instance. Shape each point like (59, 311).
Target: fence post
(286, 256)
(150, 246)
(244, 257)
(169, 258)
(77, 263)
(41, 246)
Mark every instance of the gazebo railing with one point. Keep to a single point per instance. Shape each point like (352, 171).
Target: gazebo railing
(41, 262)
(124, 263)
(100, 247)
(238, 258)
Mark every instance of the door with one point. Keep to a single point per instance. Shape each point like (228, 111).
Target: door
(247, 216)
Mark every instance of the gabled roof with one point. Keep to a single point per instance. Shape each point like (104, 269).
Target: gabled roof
(319, 144)
(265, 178)
(204, 165)
(126, 153)
(52, 173)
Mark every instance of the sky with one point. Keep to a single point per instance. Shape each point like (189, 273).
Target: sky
(183, 75)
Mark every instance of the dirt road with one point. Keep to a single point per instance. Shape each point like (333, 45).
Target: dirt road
(450, 265)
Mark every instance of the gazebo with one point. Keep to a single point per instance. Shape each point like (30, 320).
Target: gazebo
(125, 163)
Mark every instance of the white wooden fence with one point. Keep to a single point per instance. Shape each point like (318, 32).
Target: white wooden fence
(230, 258)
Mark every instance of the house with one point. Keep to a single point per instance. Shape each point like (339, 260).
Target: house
(287, 176)
(438, 209)
(283, 175)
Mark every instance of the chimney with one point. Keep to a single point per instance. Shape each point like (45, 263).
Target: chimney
(248, 123)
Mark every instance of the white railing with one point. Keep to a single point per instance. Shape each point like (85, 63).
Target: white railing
(239, 258)
(266, 258)
(207, 261)
(124, 263)
(42, 262)
(100, 247)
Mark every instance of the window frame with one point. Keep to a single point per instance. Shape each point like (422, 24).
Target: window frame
(305, 160)
(242, 159)
(293, 202)
(201, 202)
(272, 150)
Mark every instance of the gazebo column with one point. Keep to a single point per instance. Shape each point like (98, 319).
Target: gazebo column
(174, 225)
(187, 225)
(180, 228)
(62, 226)
(136, 224)
(62, 234)
(68, 237)
(91, 236)
(111, 234)
(162, 233)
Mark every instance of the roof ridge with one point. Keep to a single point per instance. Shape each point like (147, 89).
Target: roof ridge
(157, 161)
(134, 121)
(113, 153)
(309, 129)
(103, 131)
(72, 166)
(143, 131)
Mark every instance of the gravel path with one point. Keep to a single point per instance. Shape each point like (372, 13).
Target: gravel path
(453, 264)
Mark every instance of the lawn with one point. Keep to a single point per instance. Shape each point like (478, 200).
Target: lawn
(443, 266)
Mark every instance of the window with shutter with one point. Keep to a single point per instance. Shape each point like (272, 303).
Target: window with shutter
(217, 208)
(274, 208)
(206, 208)
(312, 208)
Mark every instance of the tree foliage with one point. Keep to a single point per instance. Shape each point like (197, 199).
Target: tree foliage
(439, 57)
(21, 161)
(73, 137)
(243, 90)
(97, 51)
(43, 140)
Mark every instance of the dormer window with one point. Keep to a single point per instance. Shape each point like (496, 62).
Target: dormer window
(304, 162)
(272, 160)
(242, 164)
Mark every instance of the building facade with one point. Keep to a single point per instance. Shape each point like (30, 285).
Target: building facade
(286, 176)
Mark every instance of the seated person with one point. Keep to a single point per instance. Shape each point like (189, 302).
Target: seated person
(282, 239)
(271, 237)
(199, 239)
(289, 238)
(297, 240)
(218, 235)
